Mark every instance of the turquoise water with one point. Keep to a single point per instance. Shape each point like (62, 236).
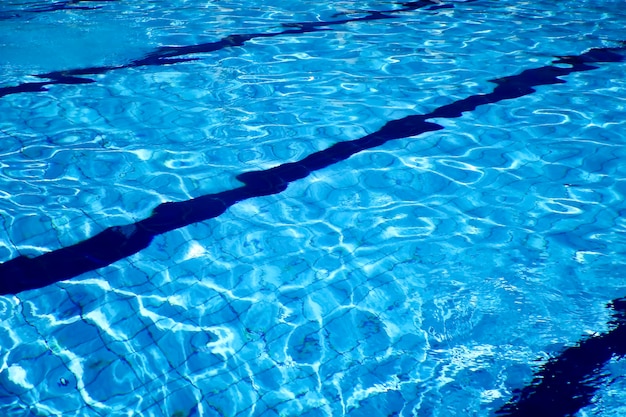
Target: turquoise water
(432, 274)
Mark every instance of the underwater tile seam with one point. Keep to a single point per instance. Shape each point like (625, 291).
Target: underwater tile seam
(169, 55)
(562, 386)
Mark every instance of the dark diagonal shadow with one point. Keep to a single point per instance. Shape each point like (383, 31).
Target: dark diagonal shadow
(567, 383)
(116, 243)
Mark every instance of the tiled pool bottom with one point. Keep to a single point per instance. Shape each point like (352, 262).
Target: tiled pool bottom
(460, 234)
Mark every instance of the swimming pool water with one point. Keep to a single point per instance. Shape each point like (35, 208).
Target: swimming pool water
(315, 209)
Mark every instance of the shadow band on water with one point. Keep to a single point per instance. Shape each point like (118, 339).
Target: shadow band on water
(116, 243)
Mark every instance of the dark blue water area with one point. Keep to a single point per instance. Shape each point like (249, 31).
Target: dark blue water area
(176, 54)
(20, 10)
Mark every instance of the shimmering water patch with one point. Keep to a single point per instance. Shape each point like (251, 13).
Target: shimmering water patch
(465, 278)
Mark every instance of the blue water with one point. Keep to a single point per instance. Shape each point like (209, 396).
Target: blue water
(211, 251)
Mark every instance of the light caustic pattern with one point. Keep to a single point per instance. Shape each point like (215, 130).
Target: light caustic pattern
(423, 276)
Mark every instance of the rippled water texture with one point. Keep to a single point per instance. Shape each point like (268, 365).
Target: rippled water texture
(431, 275)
